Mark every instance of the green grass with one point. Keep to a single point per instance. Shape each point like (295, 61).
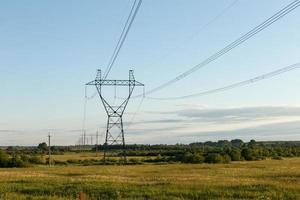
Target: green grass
(268, 179)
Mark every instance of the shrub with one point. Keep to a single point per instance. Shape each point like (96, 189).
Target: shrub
(4, 159)
(192, 158)
(248, 154)
(226, 158)
(59, 162)
(16, 161)
(73, 161)
(277, 158)
(214, 158)
(35, 160)
(235, 154)
(135, 161)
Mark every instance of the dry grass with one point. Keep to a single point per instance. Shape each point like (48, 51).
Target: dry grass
(269, 179)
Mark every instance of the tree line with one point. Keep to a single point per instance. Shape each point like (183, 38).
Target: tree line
(222, 151)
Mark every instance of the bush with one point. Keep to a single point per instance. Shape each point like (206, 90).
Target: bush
(249, 154)
(192, 158)
(135, 161)
(4, 159)
(35, 160)
(277, 158)
(214, 158)
(16, 161)
(235, 154)
(73, 161)
(59, 162)
(226, 159)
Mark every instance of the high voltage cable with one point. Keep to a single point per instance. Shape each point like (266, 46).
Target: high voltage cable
(126, 28)
(123, 36)
(235, 85)
(284, 11)
(134, 114)
(203, 27)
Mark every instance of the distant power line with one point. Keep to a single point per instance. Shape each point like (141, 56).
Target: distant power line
(235, 85)
(284, 11)
(201, 28)
(126, 28)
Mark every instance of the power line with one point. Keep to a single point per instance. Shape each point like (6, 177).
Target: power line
(203, 27)
(135, 113)
(284, 11)
(234, 85)
(123, 36)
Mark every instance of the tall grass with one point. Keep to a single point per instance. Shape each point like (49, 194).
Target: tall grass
(268, 179)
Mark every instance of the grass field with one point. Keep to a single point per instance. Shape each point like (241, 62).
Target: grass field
(87, 156)
(268, 179)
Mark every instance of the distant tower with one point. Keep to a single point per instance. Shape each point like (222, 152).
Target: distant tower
(115, 113)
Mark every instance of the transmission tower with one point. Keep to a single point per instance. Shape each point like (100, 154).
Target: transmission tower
(114, 113)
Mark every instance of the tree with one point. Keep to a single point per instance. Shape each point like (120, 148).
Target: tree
(213, 158)
(43, 146)
(248, 154)
(16, 161)
(192, 158)
(235, 154)
(4, 159)
(237, 143)
(252, 143)
(223, 143)
(226, 158)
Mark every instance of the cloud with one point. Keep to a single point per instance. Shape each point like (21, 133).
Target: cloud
(161, 121)
(152, 130)
(223, 115)
(276, 131)
(187, 125)
(10, 131)
(240, 112)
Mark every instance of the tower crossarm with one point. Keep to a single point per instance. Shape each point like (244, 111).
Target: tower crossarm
(115, 83)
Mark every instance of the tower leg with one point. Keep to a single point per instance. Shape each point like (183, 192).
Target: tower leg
(106, 141)
(114, 138)
(123, 143)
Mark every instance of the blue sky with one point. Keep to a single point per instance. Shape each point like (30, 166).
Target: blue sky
(50, 49)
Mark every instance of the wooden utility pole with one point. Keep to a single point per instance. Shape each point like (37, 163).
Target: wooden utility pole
(97, 144)
(83, 138)
(49, 150)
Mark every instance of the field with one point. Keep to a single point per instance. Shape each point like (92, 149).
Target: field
(268, 179)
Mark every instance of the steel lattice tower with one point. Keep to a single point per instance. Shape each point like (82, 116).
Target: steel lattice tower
(115, 113)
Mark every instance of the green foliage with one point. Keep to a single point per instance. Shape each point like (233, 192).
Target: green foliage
(235, 154)
(35, 159)
(249, 154)
(176, 181)
(4, 159)
(192, 158)
(237, 143)
(16, 161)
(42, 146)
(226, 158)
(214, 158)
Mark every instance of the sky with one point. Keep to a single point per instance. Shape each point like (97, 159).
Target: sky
(50, 49)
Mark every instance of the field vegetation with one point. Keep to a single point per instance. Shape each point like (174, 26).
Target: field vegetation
(265, 179)
(211, 170)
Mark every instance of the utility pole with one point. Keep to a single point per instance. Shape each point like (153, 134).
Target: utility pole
(96, 149)
(84, 138)
(49, 150)
(115, 113)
